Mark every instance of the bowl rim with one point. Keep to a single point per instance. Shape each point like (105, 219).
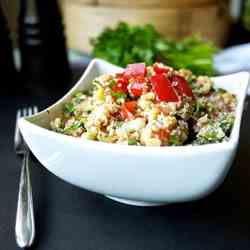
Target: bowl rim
(98, 145)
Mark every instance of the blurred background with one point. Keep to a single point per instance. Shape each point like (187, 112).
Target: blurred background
(177, 19)
(53, 41)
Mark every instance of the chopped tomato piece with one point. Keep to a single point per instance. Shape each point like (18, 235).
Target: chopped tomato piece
(163, 89)
(160, 70)
(120, 86)
(131, 105)
(181, 86)
(136, 69)
(137, 86)
(127, 110)
(163, 134)
(126, 115)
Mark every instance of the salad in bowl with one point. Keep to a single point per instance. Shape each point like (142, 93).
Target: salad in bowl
(150, 106)
(143, 135)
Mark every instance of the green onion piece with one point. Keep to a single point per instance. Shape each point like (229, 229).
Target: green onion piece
(132, 142)
(119, 94)
(69, 108)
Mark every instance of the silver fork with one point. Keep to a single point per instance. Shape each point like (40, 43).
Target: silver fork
(25, 224)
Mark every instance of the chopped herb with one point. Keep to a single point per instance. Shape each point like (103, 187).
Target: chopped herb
(78, 97)
(119, 94)
(226, 123)
(69, 108)
(200, 107)
(78, 94)
(174, 140)
(118, 124)
(132, 142)
(212, 133)
(74, 126)
(112, 83)
(97, 83)
(210, 107)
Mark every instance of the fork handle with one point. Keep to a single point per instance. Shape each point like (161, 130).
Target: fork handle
(25, 225)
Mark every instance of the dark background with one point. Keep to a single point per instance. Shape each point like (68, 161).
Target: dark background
(69, 218)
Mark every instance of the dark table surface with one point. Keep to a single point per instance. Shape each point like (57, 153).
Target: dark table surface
(69, 218)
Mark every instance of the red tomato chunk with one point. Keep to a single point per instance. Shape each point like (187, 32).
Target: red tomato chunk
(163, 89)
(136, 69)
(160, 70)
(181, 86)
(127, 110)
(121, 86)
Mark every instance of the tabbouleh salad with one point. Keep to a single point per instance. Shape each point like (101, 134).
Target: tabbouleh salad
(150, 106)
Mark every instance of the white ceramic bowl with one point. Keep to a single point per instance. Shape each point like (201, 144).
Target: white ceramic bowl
(134, 174)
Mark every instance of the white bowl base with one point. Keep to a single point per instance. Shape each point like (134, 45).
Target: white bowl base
(137, 203)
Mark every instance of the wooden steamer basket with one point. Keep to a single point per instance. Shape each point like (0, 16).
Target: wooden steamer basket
(176, 19)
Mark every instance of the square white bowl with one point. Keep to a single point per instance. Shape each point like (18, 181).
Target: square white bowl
(135, 175)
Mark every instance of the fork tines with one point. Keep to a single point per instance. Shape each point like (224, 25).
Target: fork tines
(18, 141)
